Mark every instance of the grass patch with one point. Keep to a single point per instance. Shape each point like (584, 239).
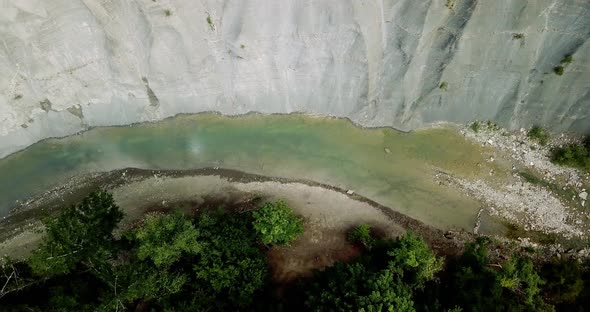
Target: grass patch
(444, 86)
(517, 36)
(539, 135)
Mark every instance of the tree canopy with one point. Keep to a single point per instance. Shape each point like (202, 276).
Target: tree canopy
(82, 234)
(276, 223)
(215, 261)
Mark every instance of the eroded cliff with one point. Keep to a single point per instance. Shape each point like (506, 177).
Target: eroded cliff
(71, 64)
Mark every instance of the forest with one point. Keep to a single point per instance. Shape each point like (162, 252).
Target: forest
(216, 261)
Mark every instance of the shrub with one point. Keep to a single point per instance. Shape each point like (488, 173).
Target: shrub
(450, 4)
(572, 155)
(167, 12)
(559, 70)
(361, 235)
(444, 86)
(276, 223)
(517, 36)
(567, 59)
(210, 22)
(539, 134)
(475, 126)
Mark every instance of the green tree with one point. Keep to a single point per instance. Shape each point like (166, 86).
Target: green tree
(478, 284)
(382, 280)
(355, 287)
(276, 223)
(564, 280)
(164, 238)
(412, 260)
(362, 235)
(519, 275)
(81, 233)
(230, 263)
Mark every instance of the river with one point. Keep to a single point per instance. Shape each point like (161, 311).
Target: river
(391, 167)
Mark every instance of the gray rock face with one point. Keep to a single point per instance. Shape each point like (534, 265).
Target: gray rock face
(70, 64)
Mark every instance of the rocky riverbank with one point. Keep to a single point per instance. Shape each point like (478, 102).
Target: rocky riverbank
(541, 196)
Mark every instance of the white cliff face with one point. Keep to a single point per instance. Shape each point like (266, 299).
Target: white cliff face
(67, 65)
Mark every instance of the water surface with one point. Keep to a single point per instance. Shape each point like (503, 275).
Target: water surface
(326, 150)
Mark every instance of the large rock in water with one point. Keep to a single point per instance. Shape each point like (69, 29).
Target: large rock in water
(70, 64)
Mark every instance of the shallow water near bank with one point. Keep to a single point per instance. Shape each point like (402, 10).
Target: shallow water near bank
(393, 168)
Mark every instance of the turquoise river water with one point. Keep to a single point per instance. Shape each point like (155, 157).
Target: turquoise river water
(388, 166)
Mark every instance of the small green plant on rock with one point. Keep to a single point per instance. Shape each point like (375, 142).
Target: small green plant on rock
(558, 70)
(538, 134)
(518, 36)
(492, 125)
(475, 126)
(242, 46)
(210, 22)
(168, 12)
(450, 4)
(444, 86)
(18, 96)
(567, 59)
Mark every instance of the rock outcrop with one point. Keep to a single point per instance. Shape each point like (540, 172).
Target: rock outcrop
(71, 64)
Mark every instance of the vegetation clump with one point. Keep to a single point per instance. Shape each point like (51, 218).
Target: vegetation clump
(573, 155)
(538, 134)
(382, 280)
(489, 125)
(444, 86)
(558, 70)
(214, 262)
(276, 223)
(361, 235)
(518, 36)
(210, 23)
(450, 4)
(566, 60)
(168, 12)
